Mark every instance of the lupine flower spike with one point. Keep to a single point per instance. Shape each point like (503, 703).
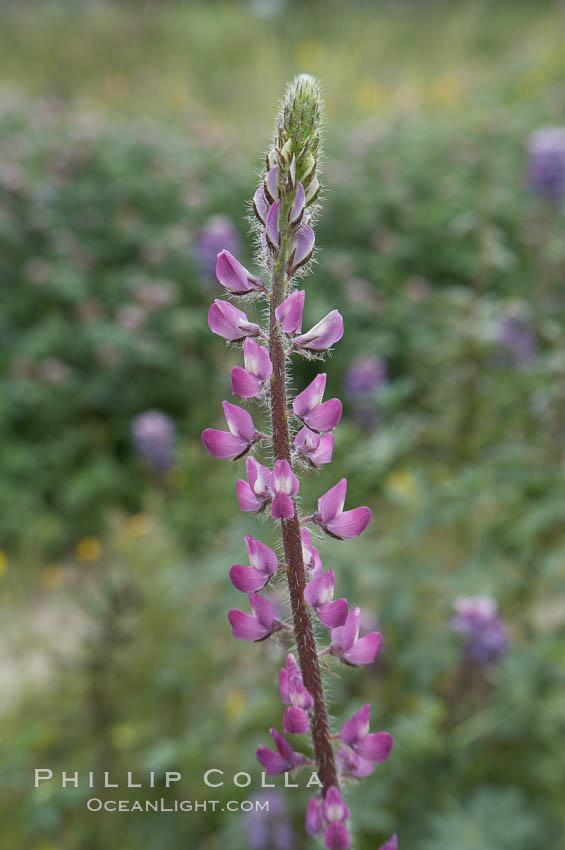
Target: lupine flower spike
(285, 206)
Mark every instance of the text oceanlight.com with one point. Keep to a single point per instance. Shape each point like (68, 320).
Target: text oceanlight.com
(94, 804)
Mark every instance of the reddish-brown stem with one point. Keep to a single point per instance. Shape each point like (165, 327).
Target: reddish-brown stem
(303, 629)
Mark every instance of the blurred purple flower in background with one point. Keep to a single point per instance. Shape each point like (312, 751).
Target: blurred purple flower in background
(487, 638)
(365, 375)
(546, 163)
(364, 378)
(218, 233)
(518, 340)
(153, 436)
(269, 830)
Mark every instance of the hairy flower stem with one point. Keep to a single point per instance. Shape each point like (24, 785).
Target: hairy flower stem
(303, 629)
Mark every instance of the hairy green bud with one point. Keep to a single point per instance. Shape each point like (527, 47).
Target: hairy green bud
(298, 127)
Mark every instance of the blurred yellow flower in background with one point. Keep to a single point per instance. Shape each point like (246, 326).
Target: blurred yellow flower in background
(88, 549)
(3, 562)
(401, 485)
(234, 704)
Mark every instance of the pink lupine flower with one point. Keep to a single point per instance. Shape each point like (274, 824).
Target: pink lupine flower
(318, 415)
(257, 626)
(289, 313)
(271, 183)
(238, 440)
(346, 643)
(323, 335)
(335, 814)
(283, 760)
(297, 211)
(314, 448)
(328, 815)
(302, 250)
(226, 320)
(296, 696)
(263, 565)
(234, 276)
(337, 522)
(295, 720)
(319, 593)
(314, 821)
(286, 673)
(260, 204)
(362, 748)
(391, 844)
(272, 231)
(311, 556)
(285, 486)
(257, 492)
(249, 382)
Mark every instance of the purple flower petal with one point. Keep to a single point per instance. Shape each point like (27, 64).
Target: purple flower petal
(226, 320)
(330, 505)
(233, 275)
(298, 694)
(309, 399)
(312, 560)
(240, 422)
(272, 183)
(286, 751)
(243, 384)
(303, 248)
(260, 477)
(344, 637)
(349, 523)
(351, 764)
(323, 335)
(326, 416)
(246, 627)
(334, 807)
(297, 210)
(272, 762)
(364, 650)
(257, 360)
(334, 613)
(290, 670)
(314, 815)
(247, 499)
(357, 727)
(391, 844)
(272, 225)
(320, 589)
(336, 837)
(376, 746)
(263, 609)
(284, 478)
(295, 720)
(222, 444)
(261, 557)
(260, 204)
(283, 506)
(289, 313)
(324, 452)
(248, 579)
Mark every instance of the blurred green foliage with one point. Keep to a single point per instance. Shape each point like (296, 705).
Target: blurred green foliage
(113, 580)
